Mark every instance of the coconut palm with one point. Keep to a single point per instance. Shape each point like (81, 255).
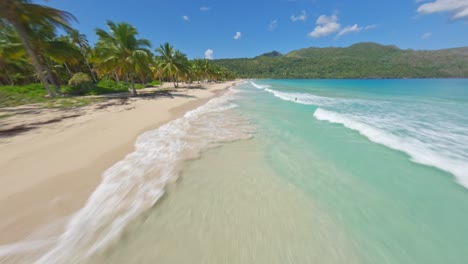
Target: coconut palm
(52, 52)
(82, 43)
(201, 69)
(172, 62)
(13, 61)
(121, 52)
(22, 14)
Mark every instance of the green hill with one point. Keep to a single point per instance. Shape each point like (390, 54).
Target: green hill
(362, 60)
(271, 54)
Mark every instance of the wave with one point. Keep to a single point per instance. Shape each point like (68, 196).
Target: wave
(420, 151)
(429, 133)
(259, 86)
(310, 99)
(135, 184)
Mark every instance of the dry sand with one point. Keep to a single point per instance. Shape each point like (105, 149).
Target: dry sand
(49, 172)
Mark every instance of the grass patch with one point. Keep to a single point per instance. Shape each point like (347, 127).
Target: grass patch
(35, 94)
(20, 95)
(6, 115)
(154, 83)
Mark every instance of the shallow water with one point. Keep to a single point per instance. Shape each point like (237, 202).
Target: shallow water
(290, 171)
(336, 172)
(230, 207)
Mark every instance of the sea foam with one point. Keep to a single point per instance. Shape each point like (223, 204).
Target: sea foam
(430, 134)
(419, 150)
(259, 86)
(135, 184)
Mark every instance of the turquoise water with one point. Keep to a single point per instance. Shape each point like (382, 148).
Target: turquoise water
(290, 171)
(356, 147)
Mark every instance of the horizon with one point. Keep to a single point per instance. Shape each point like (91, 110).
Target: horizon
(219, 30)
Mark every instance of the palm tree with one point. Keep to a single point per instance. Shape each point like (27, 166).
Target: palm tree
(14, 63)
(120, 51)
(157, 69)
(173, 63)
(200, 68)
(82, 43)
(21, 14)
(52, 51)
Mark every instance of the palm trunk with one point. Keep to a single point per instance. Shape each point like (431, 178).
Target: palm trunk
(117, 77)
(82, 51)
(68, 69)
(35, 61)
(90, 70)
(126, 81)
(51, 78)
(160, 79)
(134, 92)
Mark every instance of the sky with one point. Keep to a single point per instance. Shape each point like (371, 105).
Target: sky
(216, 29)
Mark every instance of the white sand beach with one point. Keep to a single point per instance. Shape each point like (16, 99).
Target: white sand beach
(49, 172)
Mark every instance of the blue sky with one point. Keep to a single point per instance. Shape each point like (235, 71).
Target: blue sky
(232, 29)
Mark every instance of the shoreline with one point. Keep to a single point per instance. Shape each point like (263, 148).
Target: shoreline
(49, 173)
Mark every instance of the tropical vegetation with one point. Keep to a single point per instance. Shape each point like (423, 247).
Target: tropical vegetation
(31, 51)
(362, 60)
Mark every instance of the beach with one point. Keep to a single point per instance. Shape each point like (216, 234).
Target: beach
(267, 171)
(48, 173)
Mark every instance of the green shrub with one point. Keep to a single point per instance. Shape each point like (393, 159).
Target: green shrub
(154, 83)
(107, 86)
(79, 78)
(79, 84)
(13, 95)
(110, 84)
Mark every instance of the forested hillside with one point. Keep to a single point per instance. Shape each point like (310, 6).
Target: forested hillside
(362, 60)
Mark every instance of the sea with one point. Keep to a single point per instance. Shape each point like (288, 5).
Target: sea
(289, 171)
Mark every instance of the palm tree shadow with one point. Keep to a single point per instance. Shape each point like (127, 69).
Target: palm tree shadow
(162, 94)
(194, 87)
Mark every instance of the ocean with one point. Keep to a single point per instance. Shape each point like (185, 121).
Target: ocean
(290, 171)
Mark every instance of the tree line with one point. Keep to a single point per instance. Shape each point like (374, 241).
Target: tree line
(31, 50)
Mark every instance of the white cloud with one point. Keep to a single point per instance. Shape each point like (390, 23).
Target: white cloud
(326, 25)
(209, 54)
(350, 29)
(426, 35)
(237, 35)
(354, 29)
(301, 17)
(205, 8)
(186, 18)
(273, 25)
(457, 8)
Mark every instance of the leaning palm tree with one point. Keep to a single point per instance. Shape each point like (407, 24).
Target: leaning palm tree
(120, 51)
(14, 63)
(52, 51)
(82, 43)
(22, 14)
